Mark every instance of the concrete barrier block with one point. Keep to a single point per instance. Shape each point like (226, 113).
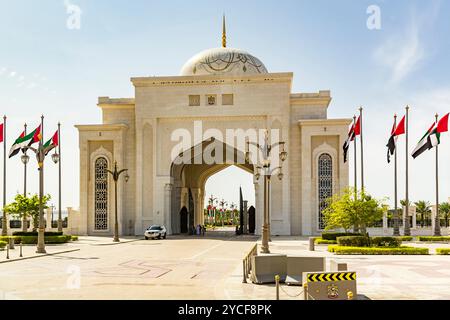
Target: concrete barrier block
(338, 266)
(266, 267)
(296, 265)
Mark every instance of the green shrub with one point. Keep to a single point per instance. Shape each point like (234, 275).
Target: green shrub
(380, 251)
(3, 244)
(443, 251)
(35, 233)
(335, 235)
(74, 238)
(391, 242)
(6, 239)
(433, 238)
(331, 248)
(405, 238)
(48, 240)
(323, 241)
(354, 241)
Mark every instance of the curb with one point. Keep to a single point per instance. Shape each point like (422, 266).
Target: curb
(113, 243)
(44, 255)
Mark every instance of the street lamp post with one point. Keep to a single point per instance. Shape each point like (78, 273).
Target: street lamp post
(116, 174)
(40, 152)
(266, 167)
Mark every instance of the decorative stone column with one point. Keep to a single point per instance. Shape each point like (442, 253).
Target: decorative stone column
(385, 223)
(48, 218)
(433, 217)
(168, 207)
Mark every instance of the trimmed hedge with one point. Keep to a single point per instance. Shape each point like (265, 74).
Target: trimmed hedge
(6, 239)
(432, 238)
(74, 238)
(48, 240)
(323, 241)
(354, 241)
(35, 233)
(391, 242)
(443, 251)
(405, 238)
(3, 244)
(340, 250)
(335, 235)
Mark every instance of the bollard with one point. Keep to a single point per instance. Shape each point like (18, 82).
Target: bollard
(311, 243)
(305, 291)
(349, 295)
(21, 249)
(277, 285)
(7, 251)
(11, 243)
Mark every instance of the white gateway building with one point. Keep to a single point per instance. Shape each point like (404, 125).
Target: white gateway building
(218, 91)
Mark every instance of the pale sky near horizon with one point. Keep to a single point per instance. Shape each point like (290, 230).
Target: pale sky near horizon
(47, 68)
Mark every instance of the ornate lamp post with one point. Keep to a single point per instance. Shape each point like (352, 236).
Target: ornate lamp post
(40, 152)
(267, 167)
(116, 174)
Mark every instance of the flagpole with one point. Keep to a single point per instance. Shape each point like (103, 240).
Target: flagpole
(406, 228)
(24, 219)
(437, 221)
(60, 226)
(4, 220)
(356, 169)
(396, 228)
(362, 146)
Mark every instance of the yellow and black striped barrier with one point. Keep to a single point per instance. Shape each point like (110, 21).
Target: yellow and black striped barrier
(330, 285)
(336, 276)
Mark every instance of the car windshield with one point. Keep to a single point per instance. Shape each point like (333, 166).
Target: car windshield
(155, 228)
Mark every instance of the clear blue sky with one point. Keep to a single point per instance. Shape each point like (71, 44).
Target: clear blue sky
(47, 68)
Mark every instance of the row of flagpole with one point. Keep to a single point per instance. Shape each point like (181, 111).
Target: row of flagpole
(22, 144)
(430, 140)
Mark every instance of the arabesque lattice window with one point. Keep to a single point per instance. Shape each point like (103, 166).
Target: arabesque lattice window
(101, 194)
(325, 178)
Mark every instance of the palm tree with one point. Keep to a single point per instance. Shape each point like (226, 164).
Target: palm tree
(444, 210)
(422, 207)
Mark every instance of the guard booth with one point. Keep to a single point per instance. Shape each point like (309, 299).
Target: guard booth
(330, 285)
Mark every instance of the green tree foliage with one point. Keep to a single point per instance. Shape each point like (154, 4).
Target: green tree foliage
(27, 206)
(347, 211)
(444, 212)
(423, 208)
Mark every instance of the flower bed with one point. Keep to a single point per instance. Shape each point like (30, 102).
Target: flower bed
(433, 238)
(443, 251)
(341, 250)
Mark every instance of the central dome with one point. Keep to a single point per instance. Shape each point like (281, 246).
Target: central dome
(223, 61)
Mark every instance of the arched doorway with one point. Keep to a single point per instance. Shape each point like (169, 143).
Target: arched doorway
(189, 176)
(184, 220)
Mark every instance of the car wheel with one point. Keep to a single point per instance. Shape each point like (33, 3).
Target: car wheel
(165, 235)
(146, 238)
(159, 236)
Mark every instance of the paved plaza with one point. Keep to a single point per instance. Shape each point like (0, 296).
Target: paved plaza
(199, 268)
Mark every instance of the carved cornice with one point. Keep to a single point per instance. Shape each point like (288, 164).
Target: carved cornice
(322, 122)
(101, 127)
(211, 80)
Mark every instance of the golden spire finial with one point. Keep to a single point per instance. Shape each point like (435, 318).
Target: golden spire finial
(224, 33)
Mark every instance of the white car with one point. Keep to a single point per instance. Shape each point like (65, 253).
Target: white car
(155, 232)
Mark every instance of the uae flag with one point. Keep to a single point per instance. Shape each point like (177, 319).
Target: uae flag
(432, 137)
(395, 132)
(25, 140)
(429, 140)
(350, 138)
(52, 143)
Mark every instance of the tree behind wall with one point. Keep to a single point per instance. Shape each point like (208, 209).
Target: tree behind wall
(345, 212)
(27, 206)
